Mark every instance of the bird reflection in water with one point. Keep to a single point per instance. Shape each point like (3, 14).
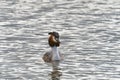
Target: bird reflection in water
(56, 73)
(54, 57)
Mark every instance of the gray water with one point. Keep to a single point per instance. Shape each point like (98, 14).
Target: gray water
(89, 33)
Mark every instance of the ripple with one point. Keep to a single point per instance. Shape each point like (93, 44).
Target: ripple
(89, 33)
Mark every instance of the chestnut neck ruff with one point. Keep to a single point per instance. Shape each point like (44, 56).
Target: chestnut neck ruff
(52, 42)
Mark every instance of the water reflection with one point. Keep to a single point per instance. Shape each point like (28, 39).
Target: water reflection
(56, 73)
(55, 65)
(90, 38)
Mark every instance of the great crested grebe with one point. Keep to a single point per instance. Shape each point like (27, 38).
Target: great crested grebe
(54, 43)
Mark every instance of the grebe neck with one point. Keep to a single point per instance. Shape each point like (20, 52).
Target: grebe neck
(55, 53)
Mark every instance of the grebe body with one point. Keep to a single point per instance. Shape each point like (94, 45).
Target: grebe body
(54, 43)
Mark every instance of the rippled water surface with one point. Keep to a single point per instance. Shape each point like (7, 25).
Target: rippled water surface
(89, 33)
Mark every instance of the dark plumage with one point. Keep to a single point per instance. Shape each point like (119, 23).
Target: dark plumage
(56, 34)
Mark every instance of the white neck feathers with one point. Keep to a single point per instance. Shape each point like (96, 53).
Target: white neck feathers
(55, 53)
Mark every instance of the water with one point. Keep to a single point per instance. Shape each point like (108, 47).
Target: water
(89, 33)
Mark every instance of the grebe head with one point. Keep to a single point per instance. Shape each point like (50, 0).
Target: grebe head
(54, 39)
